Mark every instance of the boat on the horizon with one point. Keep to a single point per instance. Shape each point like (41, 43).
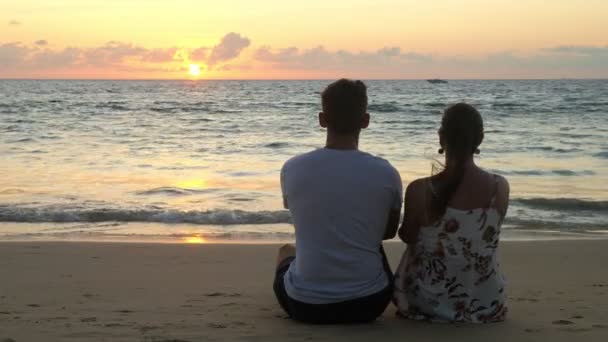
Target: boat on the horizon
(436, 81)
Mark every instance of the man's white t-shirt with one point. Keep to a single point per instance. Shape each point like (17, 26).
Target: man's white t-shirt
(340, 202)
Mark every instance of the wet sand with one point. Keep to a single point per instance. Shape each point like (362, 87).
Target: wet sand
(81, 291)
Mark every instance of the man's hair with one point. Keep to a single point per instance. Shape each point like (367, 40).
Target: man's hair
(344, 103)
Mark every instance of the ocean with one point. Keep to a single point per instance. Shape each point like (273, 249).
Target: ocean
(199, 161)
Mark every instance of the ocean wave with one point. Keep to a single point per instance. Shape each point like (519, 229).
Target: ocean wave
(435, 104)
(210, 217)
(21, 213)
(113, 105)
(601, 155)
(383, 107)
(11, 128)
(172, 191)
(518, 172)
(22, 140)
(593, 104)
(167, 110)
(194, 108)
(555, 225)
(567, 204)
(573, 173)
(11, 191)
(542, 173)
(568, 150)
(88, 232)
(277, 145)
(509, 105)
(553, 149)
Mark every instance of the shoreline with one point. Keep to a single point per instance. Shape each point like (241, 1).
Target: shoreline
(203, 239)
(67, 291)
(237, 234)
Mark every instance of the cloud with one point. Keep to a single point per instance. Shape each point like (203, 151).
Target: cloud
(229, 48)
(394, 62)
(160, 55)
(200, 54)
(579, 50)
(14, 23)
(17, 58)
(119, 55)
(56, 59)
(13, 53)
(113, 52)
(319, 58)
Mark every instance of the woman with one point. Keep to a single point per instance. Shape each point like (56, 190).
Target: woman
(449, 271)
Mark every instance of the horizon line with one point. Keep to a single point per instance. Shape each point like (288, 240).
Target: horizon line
(299, 79)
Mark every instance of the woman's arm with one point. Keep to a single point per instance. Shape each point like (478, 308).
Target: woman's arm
(413, 206)
(393, 223)
(502, 196)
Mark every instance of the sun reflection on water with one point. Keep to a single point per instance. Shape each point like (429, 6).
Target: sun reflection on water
(195, 240)
(199, 183)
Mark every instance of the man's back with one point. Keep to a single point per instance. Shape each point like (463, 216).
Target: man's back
(340, 202)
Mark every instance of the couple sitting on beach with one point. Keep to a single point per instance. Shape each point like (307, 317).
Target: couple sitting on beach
(345, 202)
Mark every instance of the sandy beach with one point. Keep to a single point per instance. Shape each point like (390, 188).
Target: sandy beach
(72, 291)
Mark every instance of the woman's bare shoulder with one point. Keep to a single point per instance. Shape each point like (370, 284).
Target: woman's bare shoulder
(418, 190)
(419, 185)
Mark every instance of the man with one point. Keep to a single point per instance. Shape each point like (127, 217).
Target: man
(343, 202)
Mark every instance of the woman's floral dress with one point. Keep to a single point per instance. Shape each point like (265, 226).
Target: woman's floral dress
(451, 273)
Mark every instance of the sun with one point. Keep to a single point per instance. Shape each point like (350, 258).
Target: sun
(194, 70)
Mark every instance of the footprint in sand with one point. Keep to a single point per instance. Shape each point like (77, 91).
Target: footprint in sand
(600, 326)
(34, 305)
(216, 326)
(7, 340)
(222, 294)
(562, 322)
(145, 328)
(574, 329)
(577, 317)
(88, 319)
(229, 304)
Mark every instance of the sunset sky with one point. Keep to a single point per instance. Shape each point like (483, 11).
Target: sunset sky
(244, 39)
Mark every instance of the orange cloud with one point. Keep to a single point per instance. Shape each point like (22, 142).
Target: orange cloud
(229, 48)
(227, 59)
(119, 55)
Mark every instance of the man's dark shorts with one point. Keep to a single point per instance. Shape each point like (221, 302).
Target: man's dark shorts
(360, 310)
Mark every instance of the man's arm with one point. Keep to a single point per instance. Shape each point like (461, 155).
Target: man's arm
(283, 190)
